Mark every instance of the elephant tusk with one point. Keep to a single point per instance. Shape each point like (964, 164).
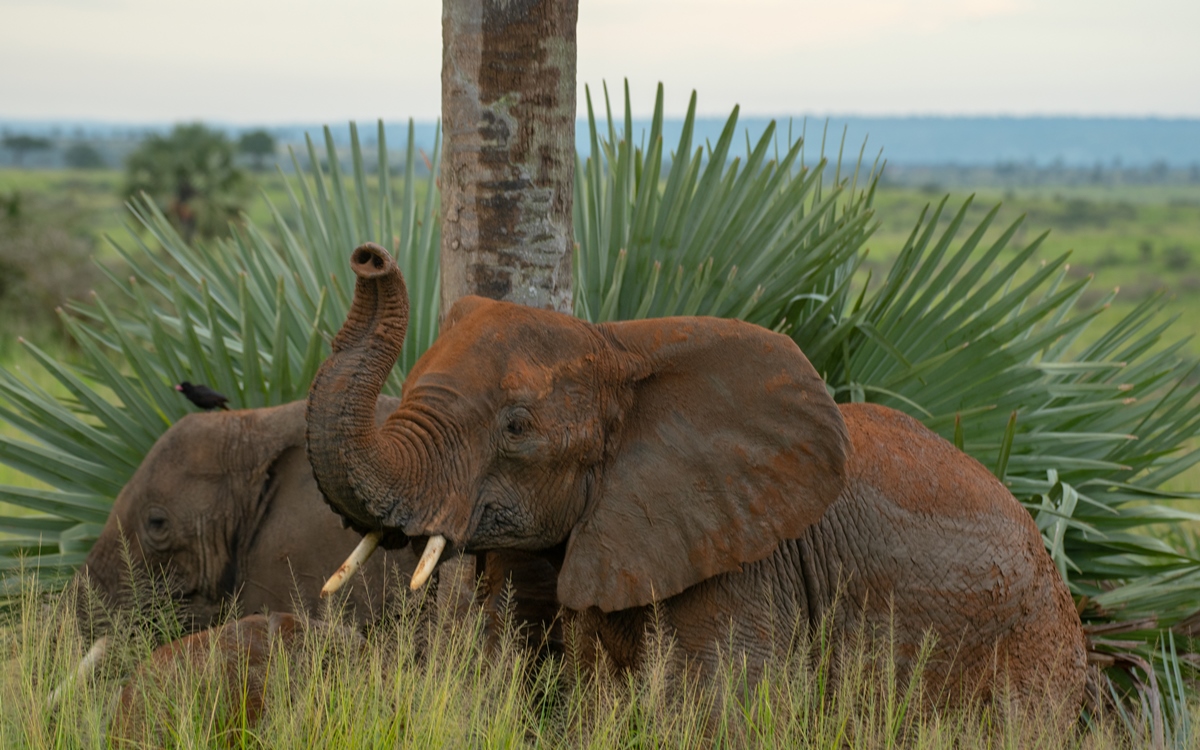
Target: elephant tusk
(429, 560)
(355, 561)
(87, 665)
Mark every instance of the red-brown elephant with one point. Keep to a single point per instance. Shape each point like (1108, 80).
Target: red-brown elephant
(695, 464)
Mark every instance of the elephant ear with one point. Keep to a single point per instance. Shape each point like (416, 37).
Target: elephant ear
(267, 434)
(263, 437)
(725, 443)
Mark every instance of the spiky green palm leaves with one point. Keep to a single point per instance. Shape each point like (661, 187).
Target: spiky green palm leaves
(968, 332)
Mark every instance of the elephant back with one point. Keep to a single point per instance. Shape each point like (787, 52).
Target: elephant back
(936, 542)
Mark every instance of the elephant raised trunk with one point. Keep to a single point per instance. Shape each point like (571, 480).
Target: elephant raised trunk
(350, 456)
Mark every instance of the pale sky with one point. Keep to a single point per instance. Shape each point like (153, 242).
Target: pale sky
(277, 61)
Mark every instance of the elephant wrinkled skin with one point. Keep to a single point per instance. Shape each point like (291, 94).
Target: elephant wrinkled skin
(223, 505)
(697, 465)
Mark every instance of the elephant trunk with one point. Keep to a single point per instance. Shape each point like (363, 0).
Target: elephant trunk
(362, 474)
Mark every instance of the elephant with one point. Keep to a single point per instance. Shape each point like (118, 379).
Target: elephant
(224, 507)
(694, 472)
(230, 665)
(241, 652)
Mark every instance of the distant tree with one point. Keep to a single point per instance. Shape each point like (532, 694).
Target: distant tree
(84, 156)
(11, 206)
(259, 144)
(23, 144)
(190, 174)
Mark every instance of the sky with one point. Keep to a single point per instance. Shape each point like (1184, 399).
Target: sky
(287, 61)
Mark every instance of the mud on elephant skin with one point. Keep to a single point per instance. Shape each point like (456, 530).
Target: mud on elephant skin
(694, 464)
(224, 506)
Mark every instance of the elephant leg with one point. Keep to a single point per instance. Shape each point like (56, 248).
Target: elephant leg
(519, 590)
(741, 621)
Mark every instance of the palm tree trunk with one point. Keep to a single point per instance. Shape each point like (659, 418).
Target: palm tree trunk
(508, 113)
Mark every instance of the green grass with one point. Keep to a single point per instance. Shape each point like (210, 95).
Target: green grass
(90, 196)
(417, 681)
(1139, 238)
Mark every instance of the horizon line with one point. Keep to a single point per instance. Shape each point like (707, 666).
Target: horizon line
(96, 120)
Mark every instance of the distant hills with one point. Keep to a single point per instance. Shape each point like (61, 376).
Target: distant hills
(1073, 142)
(988, 141)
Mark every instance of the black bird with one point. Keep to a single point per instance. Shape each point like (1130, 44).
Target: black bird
(202, 396)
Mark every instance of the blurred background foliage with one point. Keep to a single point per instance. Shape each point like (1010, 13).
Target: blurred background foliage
(190, 173)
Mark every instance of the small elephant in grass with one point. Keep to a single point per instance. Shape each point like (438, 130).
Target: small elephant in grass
(697, 465)
(219, 675)
(224, 506)
(229, 667)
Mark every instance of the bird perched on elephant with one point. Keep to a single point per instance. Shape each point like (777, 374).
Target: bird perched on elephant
(224, 505)
(203, 396)
(694, 472)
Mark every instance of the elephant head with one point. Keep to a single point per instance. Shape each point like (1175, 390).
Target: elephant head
(223, 506)
(643, 456)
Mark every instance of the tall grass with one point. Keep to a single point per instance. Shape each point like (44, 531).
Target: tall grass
(421, 681)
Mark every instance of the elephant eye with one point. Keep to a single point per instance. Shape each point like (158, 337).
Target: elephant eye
(156, 521)
(518, 423)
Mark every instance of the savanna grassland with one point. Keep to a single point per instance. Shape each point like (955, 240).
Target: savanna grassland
(1141, 239)
(420, 681)
(405, 687)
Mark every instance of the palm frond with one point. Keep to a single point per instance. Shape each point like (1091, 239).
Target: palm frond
(714, 234)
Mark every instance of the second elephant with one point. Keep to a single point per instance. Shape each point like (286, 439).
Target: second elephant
(224, 506)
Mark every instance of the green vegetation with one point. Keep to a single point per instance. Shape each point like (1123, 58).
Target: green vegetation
(258, 144)
(190, 174)
(20, 145)
(1142, 239)
(964, 318)
(45, 259)
(83, 156)
(417, 683)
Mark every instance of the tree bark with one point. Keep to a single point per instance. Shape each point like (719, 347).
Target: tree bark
(508, 160)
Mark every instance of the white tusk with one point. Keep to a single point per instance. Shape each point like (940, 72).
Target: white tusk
(429, 560)
(87, 665)
(355, 561)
